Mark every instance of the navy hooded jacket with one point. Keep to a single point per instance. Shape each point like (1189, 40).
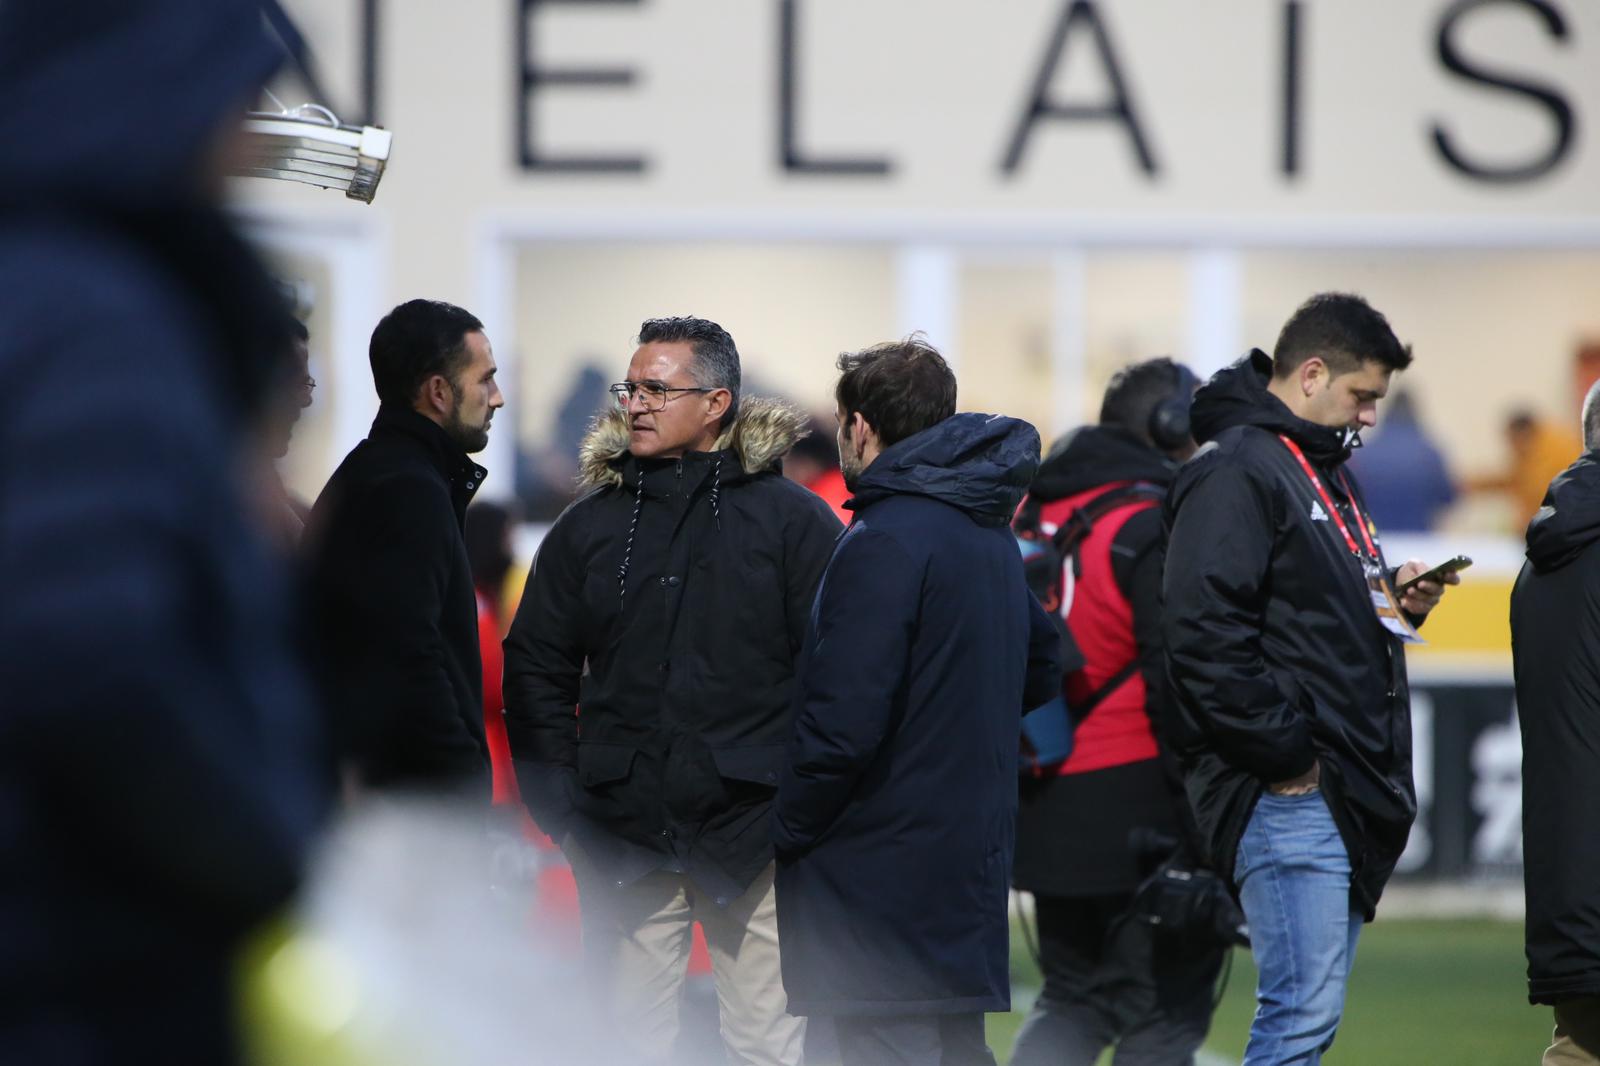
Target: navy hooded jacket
(155, 730)
(895, 817)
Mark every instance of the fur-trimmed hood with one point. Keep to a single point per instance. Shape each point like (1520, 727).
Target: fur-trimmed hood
(762, 433)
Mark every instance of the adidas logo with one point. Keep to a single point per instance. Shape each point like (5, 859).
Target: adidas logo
(1317, 513)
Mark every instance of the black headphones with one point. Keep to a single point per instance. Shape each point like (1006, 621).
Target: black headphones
(1169, 419)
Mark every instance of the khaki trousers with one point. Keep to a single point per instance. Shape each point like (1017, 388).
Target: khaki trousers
(1577, 1036)
(636, 941)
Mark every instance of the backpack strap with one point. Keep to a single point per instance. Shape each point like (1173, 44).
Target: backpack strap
(1081, 523)
(1079, 711)
(1072, 533)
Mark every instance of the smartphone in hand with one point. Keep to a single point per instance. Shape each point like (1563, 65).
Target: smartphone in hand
(1449, 566)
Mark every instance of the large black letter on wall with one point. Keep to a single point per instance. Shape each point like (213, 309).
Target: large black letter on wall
(1119, 108)
(790, 154)
(531, 78)
(369, 61)
(1547, 98)
(1292, 21)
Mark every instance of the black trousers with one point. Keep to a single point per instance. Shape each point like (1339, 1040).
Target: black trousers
(900, 1040)
(1114, 983)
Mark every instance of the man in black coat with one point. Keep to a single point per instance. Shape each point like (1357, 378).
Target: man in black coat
(670, 602)
(1086, 824)
(897, 805)
(1285, 647)
(158, 736)
(1555, 639)
(391, 588)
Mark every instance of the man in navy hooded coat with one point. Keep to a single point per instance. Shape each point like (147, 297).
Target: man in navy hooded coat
(895, 816)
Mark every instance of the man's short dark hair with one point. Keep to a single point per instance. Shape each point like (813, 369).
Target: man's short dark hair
(415, 341)
(1136, 390)
(716, 358)
(900, 387)
(1344, 331)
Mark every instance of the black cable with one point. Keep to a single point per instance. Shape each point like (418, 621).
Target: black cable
(298, 51)
(1223, 979)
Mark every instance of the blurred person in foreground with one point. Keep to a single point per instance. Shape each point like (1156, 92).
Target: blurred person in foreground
(814, 463)
(1285, 648)
(896, 807)
(1402, 473)
(157, 735)
(1537, 450)
(670, 601)
(391, 586)
(1555, 642)
(1108, 978)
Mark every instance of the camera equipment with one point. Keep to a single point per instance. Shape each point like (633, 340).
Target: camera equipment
(1180, 897)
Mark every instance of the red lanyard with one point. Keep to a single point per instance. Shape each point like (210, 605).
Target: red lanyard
(1333, 512)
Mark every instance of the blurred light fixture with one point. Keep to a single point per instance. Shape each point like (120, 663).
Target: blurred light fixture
(309, 144)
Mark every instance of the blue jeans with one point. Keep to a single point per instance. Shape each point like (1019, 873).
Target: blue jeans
(1294, 883)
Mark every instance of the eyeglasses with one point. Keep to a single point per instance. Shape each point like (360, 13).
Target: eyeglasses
(655, 393)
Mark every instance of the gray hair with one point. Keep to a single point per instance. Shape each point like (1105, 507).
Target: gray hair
(716, 359)
(1591, 418)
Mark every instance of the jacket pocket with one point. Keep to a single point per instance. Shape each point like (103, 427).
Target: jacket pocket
(757, 765)
(600, 764)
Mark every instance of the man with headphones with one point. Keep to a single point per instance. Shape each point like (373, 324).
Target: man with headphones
(1108, 980)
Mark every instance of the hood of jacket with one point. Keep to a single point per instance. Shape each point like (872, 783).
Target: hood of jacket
(761, 434)
(1237, 395)
(111, 108)
(979, 463)
(1569, 520)
(1091, 456)
(113, 104)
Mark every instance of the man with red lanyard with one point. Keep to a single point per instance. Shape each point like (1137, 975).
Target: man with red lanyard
(1285, 646)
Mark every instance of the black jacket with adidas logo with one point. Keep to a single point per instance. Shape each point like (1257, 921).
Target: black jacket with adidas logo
(1275, 652)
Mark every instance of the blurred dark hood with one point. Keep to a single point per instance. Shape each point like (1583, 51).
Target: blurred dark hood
(979, 463)
(107, 110)
(1091, 456)
(114, 102)
(1237, 396)
(1569, 520)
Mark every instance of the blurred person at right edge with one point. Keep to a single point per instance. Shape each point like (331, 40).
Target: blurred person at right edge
(1555, 642)
(158, 742)
(896, 811)
(1285, 648)
(1107, 978)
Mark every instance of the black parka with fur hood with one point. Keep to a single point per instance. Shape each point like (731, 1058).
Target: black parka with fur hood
(670, 602)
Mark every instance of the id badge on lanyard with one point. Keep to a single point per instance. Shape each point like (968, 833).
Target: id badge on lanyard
(1385, 604)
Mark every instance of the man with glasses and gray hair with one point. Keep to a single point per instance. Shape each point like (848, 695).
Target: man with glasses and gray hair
(670, 601)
